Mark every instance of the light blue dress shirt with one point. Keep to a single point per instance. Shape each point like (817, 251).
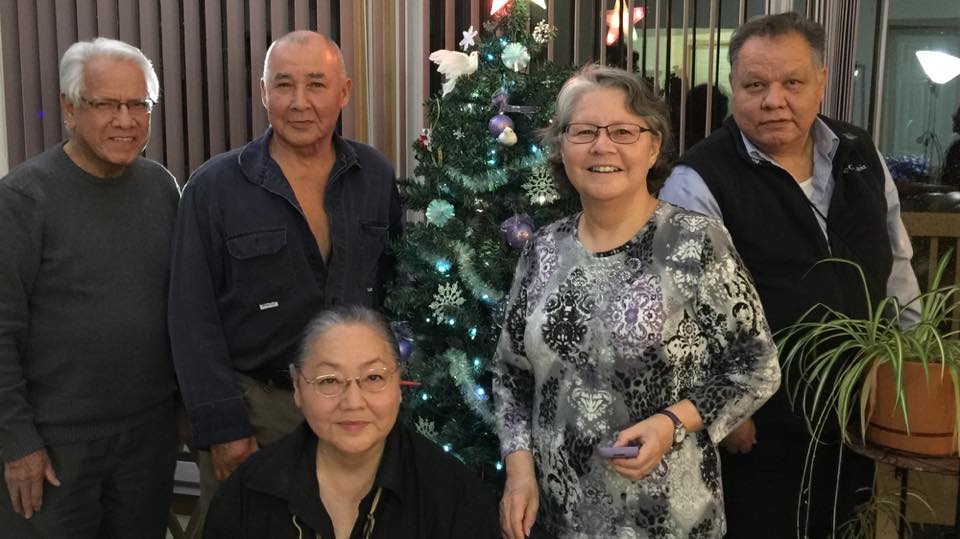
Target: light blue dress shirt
(686, 189)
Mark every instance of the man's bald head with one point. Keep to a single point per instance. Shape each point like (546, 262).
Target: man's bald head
(303, 38)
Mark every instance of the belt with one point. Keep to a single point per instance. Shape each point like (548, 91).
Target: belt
(279, 378)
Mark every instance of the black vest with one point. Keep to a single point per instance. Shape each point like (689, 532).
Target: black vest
(775, 230)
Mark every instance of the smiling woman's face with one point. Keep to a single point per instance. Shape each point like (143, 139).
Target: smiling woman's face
(357, 421)
(603, 170)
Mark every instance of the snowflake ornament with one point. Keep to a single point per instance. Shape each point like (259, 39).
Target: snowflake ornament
(515, 56)
(428, 429)
(544, 32)
(458, 134)
(447, 296)
(439, 211)
(540, 187)
(468, 38)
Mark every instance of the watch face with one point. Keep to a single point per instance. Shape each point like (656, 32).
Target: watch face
(679, 434)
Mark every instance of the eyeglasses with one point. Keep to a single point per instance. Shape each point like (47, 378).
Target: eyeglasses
(619, 133)
(136, 107)
(334, 385)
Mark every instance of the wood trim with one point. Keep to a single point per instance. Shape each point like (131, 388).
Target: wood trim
(66, 28)
(279, 19)
(49, 74)
(301, 15)
(30, 112)
(171, 42)
(358, 38)
(213, 66)
(237, 85)
(13, 97)
(107, 19)
(258, 49)
(193, 79)
(932, 224)
(150, 45)
(323, 17)
(87, 19)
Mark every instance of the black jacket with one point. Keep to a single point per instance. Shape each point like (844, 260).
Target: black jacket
(247, 274)
(426, 494)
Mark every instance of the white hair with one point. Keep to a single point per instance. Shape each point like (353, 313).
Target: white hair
(76, 57)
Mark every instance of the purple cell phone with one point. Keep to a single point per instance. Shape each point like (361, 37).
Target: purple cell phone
(626, 452)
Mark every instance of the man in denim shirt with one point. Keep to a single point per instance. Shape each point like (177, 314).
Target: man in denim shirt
(267, 236)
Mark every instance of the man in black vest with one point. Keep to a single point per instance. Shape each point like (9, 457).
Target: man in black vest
(794, 188)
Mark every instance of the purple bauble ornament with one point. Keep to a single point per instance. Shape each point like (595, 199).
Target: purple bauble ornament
(517, 230)
(498, 123)
(406, 348)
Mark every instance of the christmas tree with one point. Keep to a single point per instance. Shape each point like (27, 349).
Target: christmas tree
(482, 186)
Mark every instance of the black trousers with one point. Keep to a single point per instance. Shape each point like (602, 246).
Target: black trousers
(117, 487)
(762, 489)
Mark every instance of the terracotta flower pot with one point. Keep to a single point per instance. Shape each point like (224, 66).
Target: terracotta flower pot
(931, 407)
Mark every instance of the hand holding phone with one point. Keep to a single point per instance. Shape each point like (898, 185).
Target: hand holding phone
(626, 452)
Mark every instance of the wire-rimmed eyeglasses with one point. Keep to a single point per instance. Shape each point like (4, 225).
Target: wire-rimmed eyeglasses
(113, 106)
(618, 133)
(334, 385)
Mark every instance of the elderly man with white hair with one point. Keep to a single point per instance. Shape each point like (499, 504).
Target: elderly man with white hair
(87, 414)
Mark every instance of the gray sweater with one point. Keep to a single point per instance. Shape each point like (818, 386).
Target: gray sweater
(84, 264)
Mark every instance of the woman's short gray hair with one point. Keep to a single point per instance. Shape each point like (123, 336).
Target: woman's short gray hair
(339, 315)
(640, 100)
(76, 57)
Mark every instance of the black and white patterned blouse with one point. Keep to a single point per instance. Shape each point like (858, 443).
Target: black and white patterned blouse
(596, 342)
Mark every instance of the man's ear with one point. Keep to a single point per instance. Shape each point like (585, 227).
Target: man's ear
(263, 93)
(822, 75)
(347, 91)
(69, 112)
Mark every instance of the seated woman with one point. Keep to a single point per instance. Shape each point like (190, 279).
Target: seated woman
(634, 340)
(351, 471)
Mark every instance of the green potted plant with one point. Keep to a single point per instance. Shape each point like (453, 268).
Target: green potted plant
(862, 371)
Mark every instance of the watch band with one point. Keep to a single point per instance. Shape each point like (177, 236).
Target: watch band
(673, 417)
(679, 430)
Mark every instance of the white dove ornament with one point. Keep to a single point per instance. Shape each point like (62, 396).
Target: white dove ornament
(453, 65)
(507, 137)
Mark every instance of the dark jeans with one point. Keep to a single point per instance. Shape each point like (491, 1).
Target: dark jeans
(118, 487)
(761, 489)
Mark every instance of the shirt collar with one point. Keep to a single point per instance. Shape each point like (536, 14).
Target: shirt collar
(261, 169)
(390, 473)
(825, 143)
(291, 473)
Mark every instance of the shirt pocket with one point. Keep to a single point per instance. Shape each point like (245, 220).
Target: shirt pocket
(373, 244)
(261, 266)
(373, 239)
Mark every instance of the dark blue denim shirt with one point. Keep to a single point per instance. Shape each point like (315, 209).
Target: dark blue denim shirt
(247, 274)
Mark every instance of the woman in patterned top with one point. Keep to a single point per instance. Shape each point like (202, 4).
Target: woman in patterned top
(632, 323)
